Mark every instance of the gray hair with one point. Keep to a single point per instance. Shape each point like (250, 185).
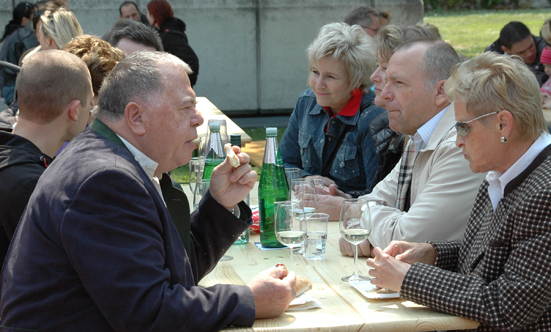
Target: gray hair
(351, 45)
(493, 82)
(391, 36)
(137, 78)
(360, 15)
(134, 31)
(438, 60)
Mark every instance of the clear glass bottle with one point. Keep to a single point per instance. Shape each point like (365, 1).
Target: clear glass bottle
(272, 188)
(215, 154)
(235, 139)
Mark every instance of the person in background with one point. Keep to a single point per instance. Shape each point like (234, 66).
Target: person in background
(499, 274)
(18, 37)
(384, 18)
(516, 39)
(129, 10)
(131, 36)
(56, 28)
(100, 57)
(327, 136)
(366, 17)
(545, 31)
(98, 248)
(545, 90)
(431, 28)
(430, 192)
(172, 31)
(55, 95)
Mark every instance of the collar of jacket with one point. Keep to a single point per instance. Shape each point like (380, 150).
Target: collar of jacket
(348, 120)
(102, 129)
(445, 124)
(514, 183)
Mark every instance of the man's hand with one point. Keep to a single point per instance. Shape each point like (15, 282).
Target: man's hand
(412, 252)
(335, 191)
(387, 271)
(347, 248)
(330, 205)
(273, 290)
(229, 185)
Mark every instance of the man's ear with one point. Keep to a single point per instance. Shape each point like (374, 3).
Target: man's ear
(72, 110)
(505, 49)
(133, 116)
(440, 97)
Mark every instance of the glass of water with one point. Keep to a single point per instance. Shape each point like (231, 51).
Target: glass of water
(353, 231)
(316, 237)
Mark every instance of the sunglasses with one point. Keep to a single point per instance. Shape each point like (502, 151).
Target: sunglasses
(463, 128)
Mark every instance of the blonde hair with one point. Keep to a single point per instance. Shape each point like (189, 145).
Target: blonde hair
(494, 82)
(546, 30)
(351, 45)
(60, 25)
(391, 36)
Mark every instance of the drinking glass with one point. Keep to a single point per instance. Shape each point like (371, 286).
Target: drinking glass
(196, 168)
(291, 174)
(201, 189)
(304, 192)
(290, 225)
(316, 237)
(352, 230)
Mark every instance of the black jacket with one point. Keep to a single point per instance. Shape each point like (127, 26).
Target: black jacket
(389, 146)
(21, 164)
(172, 33)
(536, 67)
(24, 39)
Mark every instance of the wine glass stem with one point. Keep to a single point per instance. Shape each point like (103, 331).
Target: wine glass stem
(291, 256)
(355, 259)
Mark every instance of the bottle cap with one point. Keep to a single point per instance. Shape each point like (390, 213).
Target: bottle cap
(271, 131)
(214, 126)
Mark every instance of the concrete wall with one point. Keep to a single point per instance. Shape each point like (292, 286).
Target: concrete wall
(252, 53)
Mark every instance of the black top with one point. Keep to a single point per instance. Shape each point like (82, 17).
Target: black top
(172, 33)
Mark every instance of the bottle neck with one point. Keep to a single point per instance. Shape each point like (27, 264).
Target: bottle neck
(215, 143)
(270, 151)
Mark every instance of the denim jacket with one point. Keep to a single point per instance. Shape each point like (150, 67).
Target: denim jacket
(305, 144)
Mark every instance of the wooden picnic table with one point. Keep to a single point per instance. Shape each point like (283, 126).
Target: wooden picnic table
(343, 307)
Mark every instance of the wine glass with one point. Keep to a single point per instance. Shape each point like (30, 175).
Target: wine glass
(196, 167)
(201, 188)
(290, 225)
(291, 174)
(352, 230)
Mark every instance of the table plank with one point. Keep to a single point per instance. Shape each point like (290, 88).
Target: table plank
(343, 308)
(210, 111)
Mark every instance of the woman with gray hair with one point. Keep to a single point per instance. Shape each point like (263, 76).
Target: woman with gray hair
(328, 136)
(499, 274)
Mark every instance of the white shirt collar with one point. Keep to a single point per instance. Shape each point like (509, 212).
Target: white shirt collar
(147, 164)
(499, 181)
(423, 134)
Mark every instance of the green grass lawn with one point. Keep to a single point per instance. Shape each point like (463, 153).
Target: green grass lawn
(470, 32)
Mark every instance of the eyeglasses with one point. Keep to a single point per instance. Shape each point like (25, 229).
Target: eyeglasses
(463, 128)
(375, 30)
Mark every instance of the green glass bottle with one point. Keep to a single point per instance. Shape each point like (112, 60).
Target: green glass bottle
(272, 188)
(215, 151)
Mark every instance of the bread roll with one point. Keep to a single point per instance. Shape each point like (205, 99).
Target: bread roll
(234, 160)
(303, 285)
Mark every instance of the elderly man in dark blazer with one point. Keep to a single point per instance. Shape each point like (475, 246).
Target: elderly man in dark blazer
(499, 274)
(101, 244)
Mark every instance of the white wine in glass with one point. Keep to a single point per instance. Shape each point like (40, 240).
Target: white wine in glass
(290, 225)
(352, 230)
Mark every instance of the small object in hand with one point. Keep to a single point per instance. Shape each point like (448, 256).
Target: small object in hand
(234, 160)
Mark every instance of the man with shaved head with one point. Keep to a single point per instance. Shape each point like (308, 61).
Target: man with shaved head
(55, 93)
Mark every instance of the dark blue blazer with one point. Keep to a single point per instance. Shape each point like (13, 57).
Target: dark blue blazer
(97, 250)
